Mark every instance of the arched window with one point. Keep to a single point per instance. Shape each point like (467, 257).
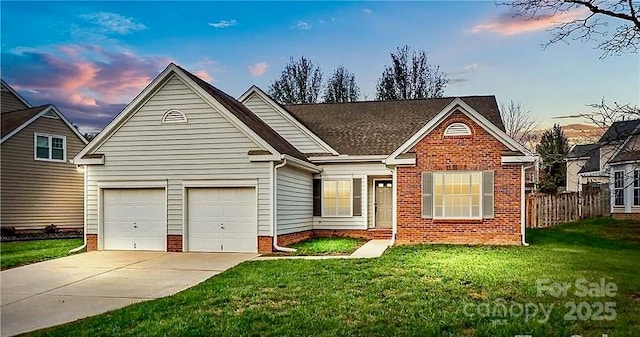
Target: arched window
(174, 116)
(457, 129)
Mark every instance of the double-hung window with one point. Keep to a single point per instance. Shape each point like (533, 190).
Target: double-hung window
(336, 197)
(457, 195)
(50, 147)
(618, 188)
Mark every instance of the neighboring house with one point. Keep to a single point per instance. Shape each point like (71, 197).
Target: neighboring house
(576, 159)
(587, 164)
(624, 177)
(186, 167)
(40, 184)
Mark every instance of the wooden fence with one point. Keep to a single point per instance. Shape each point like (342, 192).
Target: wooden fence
(545, 210)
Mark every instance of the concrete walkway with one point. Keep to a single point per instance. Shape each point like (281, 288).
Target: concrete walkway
(371, 249)
(54, 292)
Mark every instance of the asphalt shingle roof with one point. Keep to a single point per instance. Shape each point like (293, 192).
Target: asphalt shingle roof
(380, 127)
(583, 150)
(620, 131)
(248, 118)
(13, 119)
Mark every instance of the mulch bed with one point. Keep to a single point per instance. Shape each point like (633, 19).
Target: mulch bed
(42, 236)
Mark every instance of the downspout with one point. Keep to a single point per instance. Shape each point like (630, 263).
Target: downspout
(274, 212)
(84, 231)
(522, 203)
(394, 201)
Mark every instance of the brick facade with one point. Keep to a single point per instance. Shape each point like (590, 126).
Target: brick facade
(92, 242)
(174, 243)
(626, 216)
(478, 152)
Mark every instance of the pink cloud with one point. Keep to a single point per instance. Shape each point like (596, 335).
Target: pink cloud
(258, 69)
(510, 25)
(204, 75)
(88, 83)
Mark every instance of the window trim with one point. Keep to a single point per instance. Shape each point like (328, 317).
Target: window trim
(50, 145)
(618, 188)
(480, 195)
(350, 179)
(636, 179)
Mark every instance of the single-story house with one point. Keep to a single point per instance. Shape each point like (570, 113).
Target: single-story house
(186, 167)
(40, 185)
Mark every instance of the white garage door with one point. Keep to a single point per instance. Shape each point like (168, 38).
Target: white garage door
(134, 219)
(222, 220)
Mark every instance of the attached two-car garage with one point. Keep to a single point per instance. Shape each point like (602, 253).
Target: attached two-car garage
(216, 220)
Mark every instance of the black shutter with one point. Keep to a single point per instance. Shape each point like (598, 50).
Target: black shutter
(317, 197)
(357, 197)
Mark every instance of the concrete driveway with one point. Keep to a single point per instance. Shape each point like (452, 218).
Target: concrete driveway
(63, 290)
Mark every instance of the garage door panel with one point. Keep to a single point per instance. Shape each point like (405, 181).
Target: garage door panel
(222, 219)
(134, 219)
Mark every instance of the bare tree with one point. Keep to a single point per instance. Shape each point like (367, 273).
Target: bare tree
(607, 114)
(518, 123)
(342, 87)
(410, 77)
(299, 82)
(619, 34)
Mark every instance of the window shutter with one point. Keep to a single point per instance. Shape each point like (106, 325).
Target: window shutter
(357, 197)
(317, 197)
(487, 194)
(427, 194)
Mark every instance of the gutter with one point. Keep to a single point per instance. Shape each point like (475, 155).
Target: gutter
(523, 202)
(84, 231)
(274, 210)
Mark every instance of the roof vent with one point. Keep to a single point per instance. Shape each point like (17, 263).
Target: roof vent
(174, 116)
(457, 129)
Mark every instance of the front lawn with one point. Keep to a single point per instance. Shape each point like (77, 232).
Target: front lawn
(327, 246)
(427, 290)
(19, 253)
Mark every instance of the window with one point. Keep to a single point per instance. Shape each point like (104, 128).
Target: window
(336, 198)
(636, 188)
(457, 195)
(618, 188)
(457, 129)
(50, 147)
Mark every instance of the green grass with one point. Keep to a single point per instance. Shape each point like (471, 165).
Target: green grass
(409, 291)
(327, 246)
(19, 253)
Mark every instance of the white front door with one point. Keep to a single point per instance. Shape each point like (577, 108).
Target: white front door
(222, 220)
(134, 219)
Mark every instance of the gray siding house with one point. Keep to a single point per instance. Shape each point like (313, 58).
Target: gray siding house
(186, 167)
(40, 185)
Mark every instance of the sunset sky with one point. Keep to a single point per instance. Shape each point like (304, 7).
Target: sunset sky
(91, 58)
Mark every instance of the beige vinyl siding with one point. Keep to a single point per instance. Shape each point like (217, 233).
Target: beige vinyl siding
(208, 147)
(10, 102)
(284, 127)
(39, 193)
(351, 170)
(294, 200)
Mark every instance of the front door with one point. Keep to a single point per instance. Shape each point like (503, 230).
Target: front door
(383, 203)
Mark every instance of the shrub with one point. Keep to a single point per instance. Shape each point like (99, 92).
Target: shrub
(7, 231)
(51, 229)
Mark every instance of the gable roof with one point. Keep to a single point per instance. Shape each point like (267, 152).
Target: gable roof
(237, 113)
(14, 121)
(593, 163)
(380, 127)
(625, 156)
(248, 118)
(583, 150)
(279, 108)
(620, 131)
(11, 99)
